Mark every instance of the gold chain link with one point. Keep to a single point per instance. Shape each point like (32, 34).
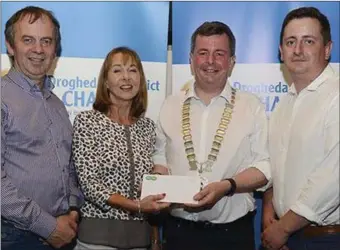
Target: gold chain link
(218, 137)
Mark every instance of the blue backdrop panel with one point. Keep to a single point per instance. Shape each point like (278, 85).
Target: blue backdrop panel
(92, 29)
(256, 26)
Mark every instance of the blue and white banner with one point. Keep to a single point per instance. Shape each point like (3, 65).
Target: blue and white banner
(256, 26)
(89, 30)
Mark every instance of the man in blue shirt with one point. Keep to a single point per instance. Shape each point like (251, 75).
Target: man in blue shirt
(40, 198)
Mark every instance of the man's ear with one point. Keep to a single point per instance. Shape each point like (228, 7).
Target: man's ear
(191, 65)
(328, 50)
(10, 49)
(281, 57)
(232, 64)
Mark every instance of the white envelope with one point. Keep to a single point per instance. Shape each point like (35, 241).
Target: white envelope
(178, 189)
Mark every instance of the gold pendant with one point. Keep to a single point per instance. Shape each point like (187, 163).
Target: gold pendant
(205, 166)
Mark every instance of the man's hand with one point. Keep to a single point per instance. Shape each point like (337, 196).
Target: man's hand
(74, 217)
(275, 237)
(268, 215)
(267, 220)
(210, 194)
(64, 233)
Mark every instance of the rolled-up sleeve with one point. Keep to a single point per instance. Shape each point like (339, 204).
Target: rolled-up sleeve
(259, 145)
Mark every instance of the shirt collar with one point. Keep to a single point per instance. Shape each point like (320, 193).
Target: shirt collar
(314, 85)
(27, 84)
(189, 92)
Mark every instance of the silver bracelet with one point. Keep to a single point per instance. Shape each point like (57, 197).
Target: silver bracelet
(138, 205)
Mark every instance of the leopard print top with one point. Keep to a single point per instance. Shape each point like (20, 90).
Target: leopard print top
(111, 158)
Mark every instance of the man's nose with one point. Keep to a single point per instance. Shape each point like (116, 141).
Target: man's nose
(298, 49)
(38, 48)
(211, 58)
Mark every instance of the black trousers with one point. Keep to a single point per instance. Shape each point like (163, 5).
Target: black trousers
(180, 234)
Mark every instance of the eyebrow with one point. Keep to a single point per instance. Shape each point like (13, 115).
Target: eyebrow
(223, 50)
(45, 37)
(26, 36)
(305, 36)
(119, 65)
(203, 49)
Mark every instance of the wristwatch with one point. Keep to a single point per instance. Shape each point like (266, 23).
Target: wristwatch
(233, 187)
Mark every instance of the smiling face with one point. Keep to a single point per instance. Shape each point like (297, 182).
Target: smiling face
(123, 79)
(211, 61)
(303, 50)
(34, 47)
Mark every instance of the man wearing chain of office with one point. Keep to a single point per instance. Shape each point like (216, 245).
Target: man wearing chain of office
(220, 134)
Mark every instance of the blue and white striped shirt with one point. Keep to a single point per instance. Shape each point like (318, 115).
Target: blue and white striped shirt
(38, 180)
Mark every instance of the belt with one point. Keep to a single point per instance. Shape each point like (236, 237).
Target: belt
(207, 224)
(315, 231)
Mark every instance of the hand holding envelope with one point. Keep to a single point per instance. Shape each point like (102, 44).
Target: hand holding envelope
(151, 204)
(210, 195)
(178, 189)
(184, 190)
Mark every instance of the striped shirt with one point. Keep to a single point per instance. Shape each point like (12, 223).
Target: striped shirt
(38, 180)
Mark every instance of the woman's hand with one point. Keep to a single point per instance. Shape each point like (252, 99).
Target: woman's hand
(151, 204)
(160, 169)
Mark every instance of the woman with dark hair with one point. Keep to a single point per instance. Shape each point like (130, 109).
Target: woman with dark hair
(112, 147)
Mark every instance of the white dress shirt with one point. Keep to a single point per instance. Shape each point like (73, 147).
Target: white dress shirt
(304, 151)
(245, 145)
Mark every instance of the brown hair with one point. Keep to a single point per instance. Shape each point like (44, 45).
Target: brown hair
(34, 14)
(309, 12)
(139, 102)
(214, 28)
